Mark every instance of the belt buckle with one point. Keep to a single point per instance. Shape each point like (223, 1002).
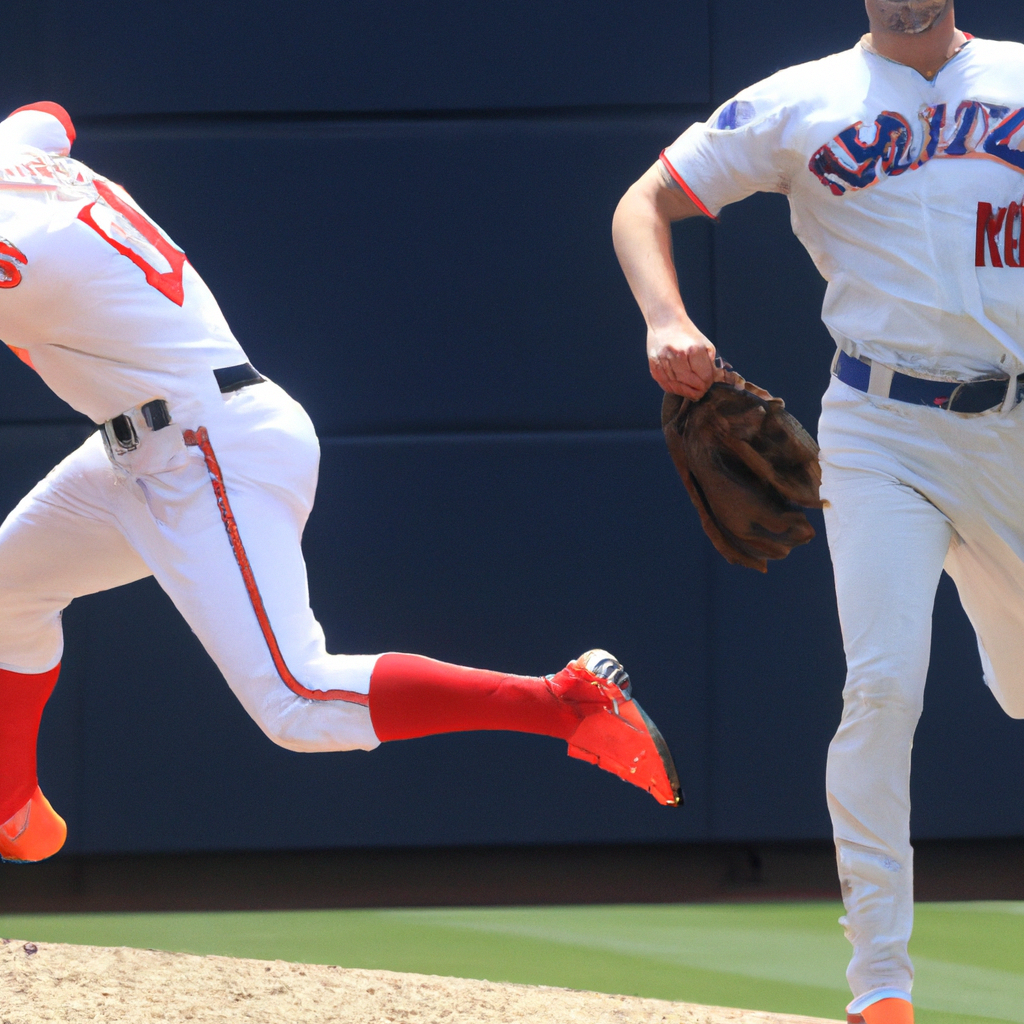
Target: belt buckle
(120, 435)
(979, 395)
(156, 414)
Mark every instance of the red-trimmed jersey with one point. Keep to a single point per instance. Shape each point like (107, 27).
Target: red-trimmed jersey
(907, 194)
(93, 294)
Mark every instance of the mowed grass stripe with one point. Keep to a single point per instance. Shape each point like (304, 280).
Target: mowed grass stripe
(987, 935)
(778, 957)
(787, 954)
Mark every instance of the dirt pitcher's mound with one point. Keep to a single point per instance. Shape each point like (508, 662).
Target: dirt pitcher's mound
(44, 981)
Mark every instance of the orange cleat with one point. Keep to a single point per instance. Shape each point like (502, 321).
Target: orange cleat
(615, 733)
(35, 832)
(886, 1011)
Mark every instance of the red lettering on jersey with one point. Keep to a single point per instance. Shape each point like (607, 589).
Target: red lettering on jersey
(167, 282)
(10, 257)
(990, 249)
(1011, 237)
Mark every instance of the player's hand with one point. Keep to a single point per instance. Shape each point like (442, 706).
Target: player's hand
(682, 360)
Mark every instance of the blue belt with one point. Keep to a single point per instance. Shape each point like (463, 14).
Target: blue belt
(951, 395)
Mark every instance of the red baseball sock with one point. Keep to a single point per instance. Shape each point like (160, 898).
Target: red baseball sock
(414, 696)
(22, 699)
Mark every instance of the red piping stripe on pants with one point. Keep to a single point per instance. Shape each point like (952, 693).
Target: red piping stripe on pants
(201, 439)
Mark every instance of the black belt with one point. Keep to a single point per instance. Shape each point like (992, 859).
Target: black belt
(120, 433)
(953, 396)
(234, 378)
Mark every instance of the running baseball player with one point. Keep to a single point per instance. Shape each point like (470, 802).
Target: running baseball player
(903, 161)
(202, 474)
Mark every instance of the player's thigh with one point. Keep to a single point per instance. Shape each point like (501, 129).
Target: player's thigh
(989, 575)
(61, 538)
(986, 559)
(242, 590)
(60, 542)
(888, 544)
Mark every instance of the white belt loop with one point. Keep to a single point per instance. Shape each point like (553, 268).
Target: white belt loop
(880, 380)
(1011, 395)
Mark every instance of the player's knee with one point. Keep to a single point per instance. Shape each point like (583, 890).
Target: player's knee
(878, 866)
(893, 691)
(308, 726)
(282, 738)
(30, 639)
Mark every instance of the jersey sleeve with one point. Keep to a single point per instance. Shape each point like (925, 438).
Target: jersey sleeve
(42, 125)
(740, 150)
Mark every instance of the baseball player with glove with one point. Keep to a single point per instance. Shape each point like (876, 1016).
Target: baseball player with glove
(202, 474)
(903, 161)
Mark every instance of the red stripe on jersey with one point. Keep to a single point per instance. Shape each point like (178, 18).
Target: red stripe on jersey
(57, 111)
(677, 178)
(201, 439)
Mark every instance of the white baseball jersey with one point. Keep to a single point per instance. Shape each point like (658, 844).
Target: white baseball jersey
(906, 192)
(74, 252)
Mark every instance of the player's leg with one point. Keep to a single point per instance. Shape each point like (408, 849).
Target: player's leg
(57, 544)
(232, 564)
(588, 704)
(887, 544)
(986, 558)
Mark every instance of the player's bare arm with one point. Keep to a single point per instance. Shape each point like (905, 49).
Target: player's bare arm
(681, 358)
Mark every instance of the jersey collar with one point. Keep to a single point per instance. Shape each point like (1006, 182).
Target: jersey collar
(868, 48)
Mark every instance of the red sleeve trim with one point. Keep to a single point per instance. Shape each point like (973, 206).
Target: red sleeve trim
(968, 36)
(55, 110)
(677, 178)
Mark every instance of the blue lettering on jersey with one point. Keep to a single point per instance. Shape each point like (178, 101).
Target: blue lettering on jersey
(859, 157)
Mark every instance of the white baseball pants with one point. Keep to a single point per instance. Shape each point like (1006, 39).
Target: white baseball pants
(99, 521)
(910, 491)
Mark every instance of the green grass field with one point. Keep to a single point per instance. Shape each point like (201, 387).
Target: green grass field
(785, 957)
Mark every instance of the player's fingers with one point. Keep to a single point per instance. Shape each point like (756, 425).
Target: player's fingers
(663, 377)
(692, 387)
(702, 365)
(676, 380)
(694, 379)
(660, 376)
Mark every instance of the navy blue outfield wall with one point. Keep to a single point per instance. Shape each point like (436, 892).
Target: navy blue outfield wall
(404, 211)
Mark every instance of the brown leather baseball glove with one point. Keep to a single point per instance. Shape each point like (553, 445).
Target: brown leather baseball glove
(748, 465)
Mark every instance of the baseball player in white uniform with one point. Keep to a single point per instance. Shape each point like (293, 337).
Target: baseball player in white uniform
(903, 161)
(202, 474)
